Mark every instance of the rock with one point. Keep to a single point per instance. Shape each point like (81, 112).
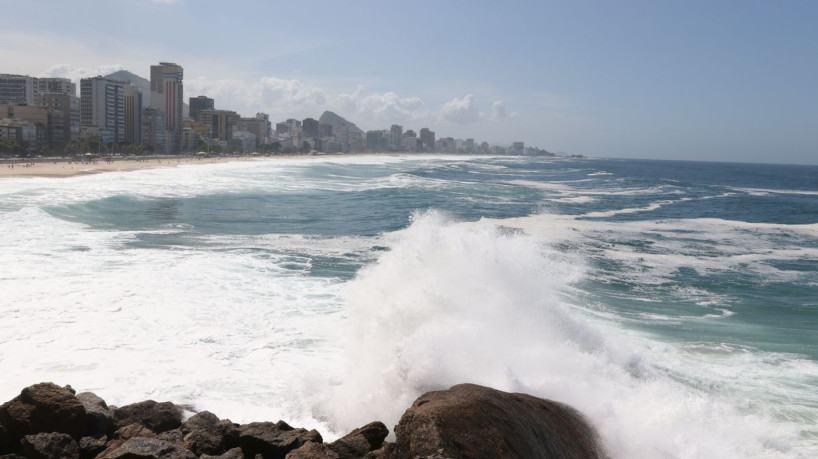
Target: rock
(43, 408)
(478, 422)
(50, 446)
(147, 448)
(200, 421)
(133, 431)
(6, 442)
(312, 450)
(384, 452)
(172, 436)
(99, 420)
(158, 417)
(234, 453)
(91, 446)
(272, 442)
(206, 434)
(360, 441)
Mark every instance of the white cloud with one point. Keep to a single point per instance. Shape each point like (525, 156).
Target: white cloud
(76, 73)
(275, 96)
(460, 111)
(380, 109)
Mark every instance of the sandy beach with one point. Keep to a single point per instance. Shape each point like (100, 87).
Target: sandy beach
(65, 168)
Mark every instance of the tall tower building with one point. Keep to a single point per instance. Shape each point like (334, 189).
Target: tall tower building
(167, 97)
(427, 139)
(133, 114)
(396, 136)
(102, 108)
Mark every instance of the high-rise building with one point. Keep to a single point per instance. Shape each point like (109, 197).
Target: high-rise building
(102, 108)
(133, 115)
(396, 136)
(153, 129)
(200, 103)
(258, 126)
(427, 139)
(221, 122)
(56, 85)
(310, 127)
(69, 105)
(167, 95)
(17, 89)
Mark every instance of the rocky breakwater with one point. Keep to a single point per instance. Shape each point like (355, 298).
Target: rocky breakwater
(47, 421)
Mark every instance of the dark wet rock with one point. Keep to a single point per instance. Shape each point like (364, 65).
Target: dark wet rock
(6, 442)
(172, 436)
(91, 446)
(99, 420)
(133, 431)
(361, 440)
(384, 452)
(478, 422)
(50, 446)
(271, 441)
(11, 456)
(312, 450)
(43, 408)
(234, 453)
(147, 448)
(204, 420)
(205, 433)
(159, 417)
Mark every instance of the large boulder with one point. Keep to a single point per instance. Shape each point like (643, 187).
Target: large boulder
(205, 433)
(43, 408)
(146, 448)
(273, 441)
(50, 446)
(479, 422)
(159, 417)
(99, 420)
(358, 443)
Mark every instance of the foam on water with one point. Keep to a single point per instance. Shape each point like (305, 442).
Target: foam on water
(455, 302)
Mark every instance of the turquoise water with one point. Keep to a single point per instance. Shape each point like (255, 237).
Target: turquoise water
(674, 303)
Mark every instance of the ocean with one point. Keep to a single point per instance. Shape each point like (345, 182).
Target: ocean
(674, 303)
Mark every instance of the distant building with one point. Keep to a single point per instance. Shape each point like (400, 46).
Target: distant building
(56, 85)
(167, 96)
(102, 109)
(396, 137)
(221, 123)
(200, 103)
(427, 139)
(310, 128)
(17, 89)
(69, 105)
(153, 130)
(259, 127)
(325, 131)
(409, 141)
(133, 115)
(28, 125)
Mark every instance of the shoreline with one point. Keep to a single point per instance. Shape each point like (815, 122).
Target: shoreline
(63, 167)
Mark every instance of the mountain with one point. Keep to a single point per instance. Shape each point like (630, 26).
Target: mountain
(335, 120)
(135, 80)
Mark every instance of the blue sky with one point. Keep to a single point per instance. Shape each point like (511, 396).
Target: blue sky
(705, 80)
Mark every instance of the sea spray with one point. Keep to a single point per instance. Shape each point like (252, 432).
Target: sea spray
(460, 302)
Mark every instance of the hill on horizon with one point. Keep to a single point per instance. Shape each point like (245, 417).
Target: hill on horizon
(334, 119)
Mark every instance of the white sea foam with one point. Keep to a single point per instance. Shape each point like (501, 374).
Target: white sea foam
(454, 302)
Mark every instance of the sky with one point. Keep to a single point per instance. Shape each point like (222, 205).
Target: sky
(724, 80)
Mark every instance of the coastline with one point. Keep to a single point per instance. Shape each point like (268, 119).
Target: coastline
(61, 168)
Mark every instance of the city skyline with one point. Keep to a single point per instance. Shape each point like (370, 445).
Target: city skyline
(680, 80)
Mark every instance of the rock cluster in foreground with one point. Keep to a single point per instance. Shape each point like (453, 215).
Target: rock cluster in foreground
(467, 421)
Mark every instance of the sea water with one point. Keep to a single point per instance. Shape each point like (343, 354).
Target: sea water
(674, 303)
